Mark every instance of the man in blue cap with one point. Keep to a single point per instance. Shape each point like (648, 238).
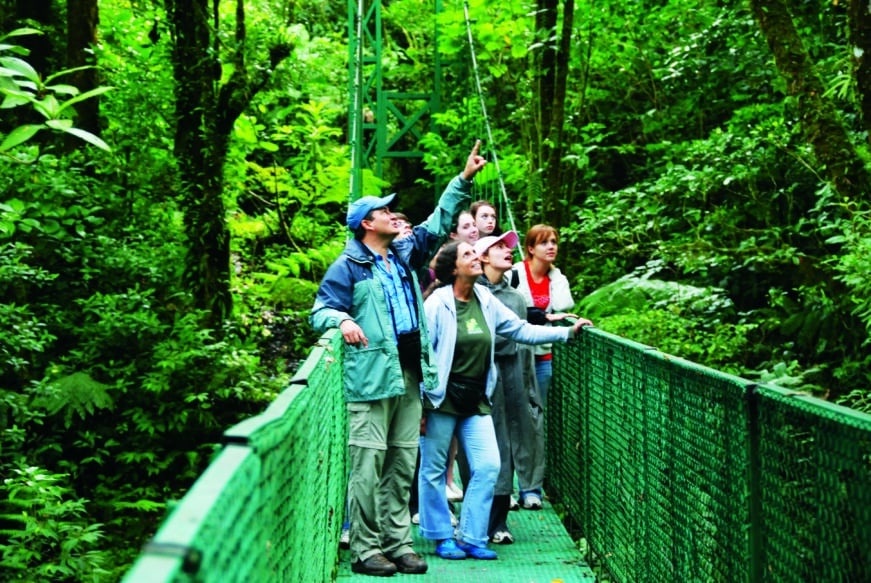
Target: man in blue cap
(372, 295)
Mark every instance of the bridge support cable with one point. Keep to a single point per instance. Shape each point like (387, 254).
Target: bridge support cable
(503, 193)
(355, 129)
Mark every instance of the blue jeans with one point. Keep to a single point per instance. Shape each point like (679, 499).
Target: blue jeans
(478, 439)
(543, 374)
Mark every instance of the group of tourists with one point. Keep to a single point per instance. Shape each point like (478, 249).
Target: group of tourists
(438, 351)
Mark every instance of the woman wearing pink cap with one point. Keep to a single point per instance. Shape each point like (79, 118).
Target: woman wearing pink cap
(517, 411)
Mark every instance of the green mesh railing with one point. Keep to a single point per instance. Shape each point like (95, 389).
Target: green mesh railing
(675, 472)
(270, 506)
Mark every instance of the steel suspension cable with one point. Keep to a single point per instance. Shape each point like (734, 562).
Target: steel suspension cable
(356, 167)
(480, 91)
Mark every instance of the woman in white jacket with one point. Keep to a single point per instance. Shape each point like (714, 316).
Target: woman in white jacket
(547, 291)
(463, 320)
(548, 298)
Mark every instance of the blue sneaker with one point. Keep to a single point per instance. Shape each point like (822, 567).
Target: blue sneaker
(448, 549)
(476, 552)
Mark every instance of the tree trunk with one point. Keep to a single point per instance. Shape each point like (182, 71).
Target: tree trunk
(820, 123)
(200, 155)
(860, 35)
(205, 115)
(82, 20)
(550, 70)
(555, 174)
(41, 49)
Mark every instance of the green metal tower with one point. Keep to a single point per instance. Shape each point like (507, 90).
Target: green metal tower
(380, 118)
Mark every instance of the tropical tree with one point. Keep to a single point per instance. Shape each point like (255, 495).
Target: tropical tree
(82, 19)
(821, 125)
(550, 56)
(214, 84)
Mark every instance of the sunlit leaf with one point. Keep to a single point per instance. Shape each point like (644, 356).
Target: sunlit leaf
(83, 96)
(63, 89)
(20, 67)
(21, 32)
(60, 124)
(54, 76)
(89, 137)
(48, 107)
(11, 101)
(268, 146)
(19, 135)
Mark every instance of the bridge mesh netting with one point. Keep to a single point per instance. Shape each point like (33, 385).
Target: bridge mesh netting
(270, 506)
(677, 472)
(673, 471)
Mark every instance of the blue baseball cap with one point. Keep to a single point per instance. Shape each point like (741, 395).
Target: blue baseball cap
(361, 207)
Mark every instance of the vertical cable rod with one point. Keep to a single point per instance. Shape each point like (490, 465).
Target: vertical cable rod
(356, 131)
(486, 118)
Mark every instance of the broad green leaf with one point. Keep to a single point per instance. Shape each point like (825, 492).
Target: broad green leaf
(268, 146)
(21, 32)
(518, 51)
(20, 67)
(497, 69)
(60, 124)
(63, 89)
(83, 96)
(48, 106)
(19, 135)
(89, 137)
(54, 76)
(11, 101)
(16, 85)
(8, 72)
(15, 205)
(14, 49)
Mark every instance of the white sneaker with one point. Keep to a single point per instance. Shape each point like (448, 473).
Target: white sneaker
(513, 504)
(453, 493)
(415, 518)
(345, 538)
(532, 502)
(502, 537)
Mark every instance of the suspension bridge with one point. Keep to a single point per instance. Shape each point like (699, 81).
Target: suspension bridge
(659, 469)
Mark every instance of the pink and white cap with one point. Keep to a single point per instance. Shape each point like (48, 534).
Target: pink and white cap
(484, 243)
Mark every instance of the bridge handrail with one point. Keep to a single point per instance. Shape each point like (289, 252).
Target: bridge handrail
(677, 472)
(270, 506)
(671, 470)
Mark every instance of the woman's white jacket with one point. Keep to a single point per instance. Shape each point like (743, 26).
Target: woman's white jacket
(560, 290)
(560, 294)
(441, 316)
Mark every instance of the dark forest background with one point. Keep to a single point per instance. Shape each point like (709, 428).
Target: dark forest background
(175, 176)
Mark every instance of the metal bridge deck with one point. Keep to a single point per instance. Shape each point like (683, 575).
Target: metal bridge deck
(543, 552)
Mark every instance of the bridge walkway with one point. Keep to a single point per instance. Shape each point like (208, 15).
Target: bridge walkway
(543, 552)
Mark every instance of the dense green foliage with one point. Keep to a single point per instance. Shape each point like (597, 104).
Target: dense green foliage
(695, 217)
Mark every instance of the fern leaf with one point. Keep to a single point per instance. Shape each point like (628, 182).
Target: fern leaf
(75, 393)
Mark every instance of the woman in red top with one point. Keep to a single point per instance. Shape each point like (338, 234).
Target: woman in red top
(548, 297)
